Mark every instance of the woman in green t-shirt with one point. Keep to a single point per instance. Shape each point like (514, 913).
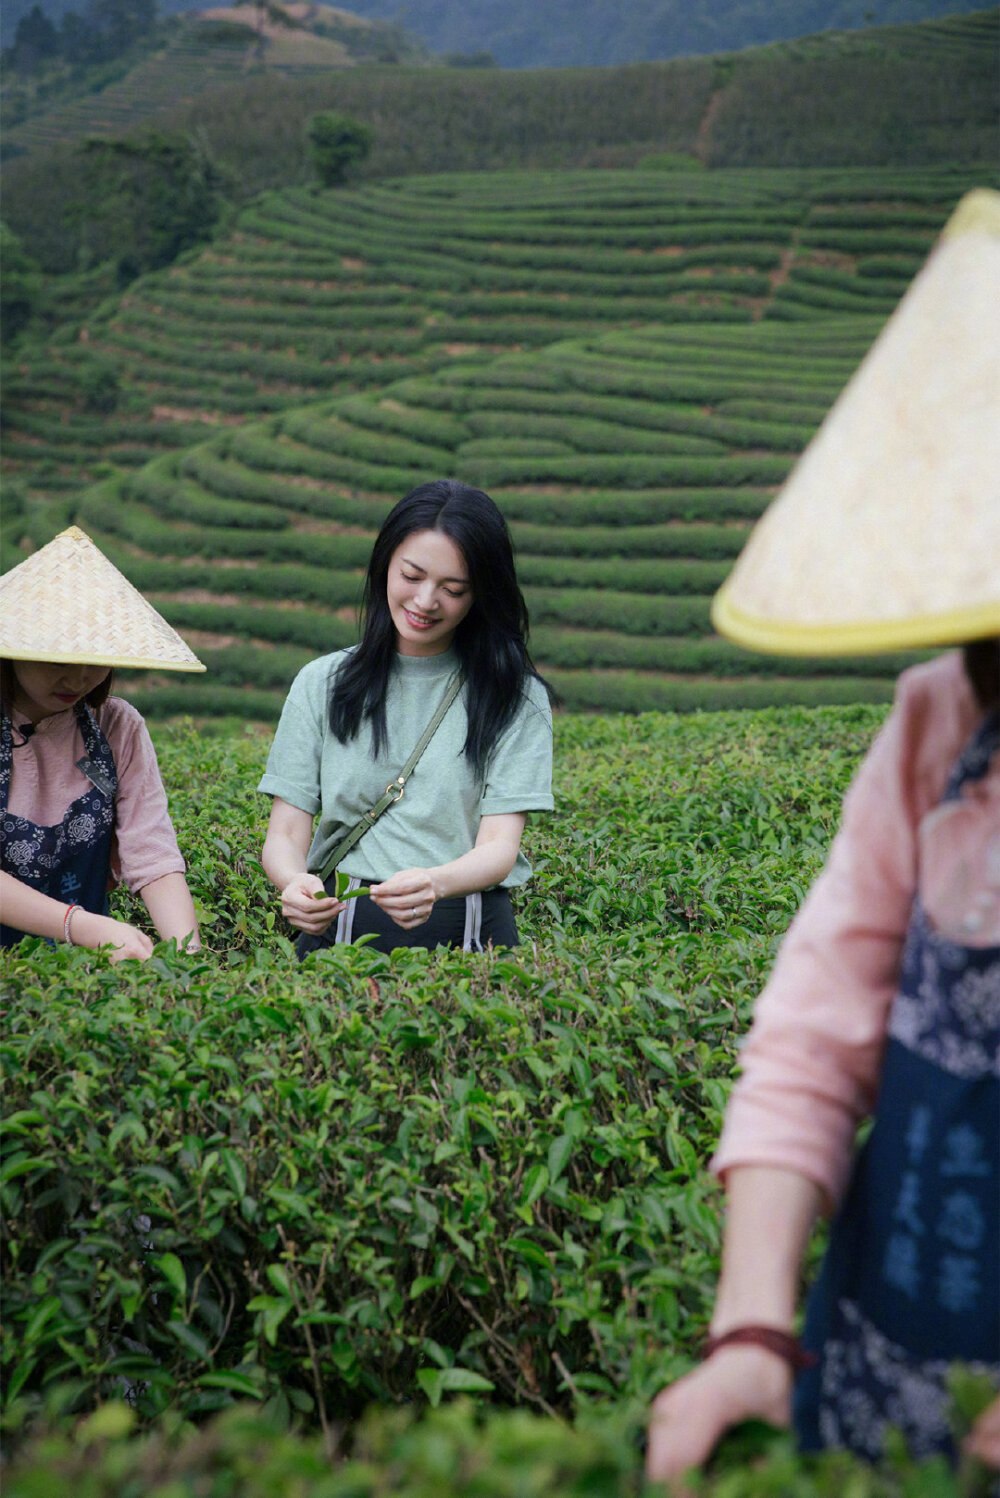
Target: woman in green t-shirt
(441, 602)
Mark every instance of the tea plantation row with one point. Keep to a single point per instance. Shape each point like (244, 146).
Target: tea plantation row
(628, 466)
(629, 361)
(318, 293)
(230, 1178)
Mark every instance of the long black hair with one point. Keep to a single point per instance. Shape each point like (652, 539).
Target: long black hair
(491, 641)
(981, 659)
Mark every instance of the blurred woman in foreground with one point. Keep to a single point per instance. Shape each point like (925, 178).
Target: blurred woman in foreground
(885, 997)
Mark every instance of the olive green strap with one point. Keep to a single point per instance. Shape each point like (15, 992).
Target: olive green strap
(394, 790)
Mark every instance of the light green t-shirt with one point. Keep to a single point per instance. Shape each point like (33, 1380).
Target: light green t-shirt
(438, 817)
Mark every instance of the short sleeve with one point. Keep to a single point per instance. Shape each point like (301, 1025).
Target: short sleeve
(293, 770)
(520, 772)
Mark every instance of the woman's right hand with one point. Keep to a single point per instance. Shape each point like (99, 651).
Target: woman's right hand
(303, 910)
(126, 942)
(689, 1418)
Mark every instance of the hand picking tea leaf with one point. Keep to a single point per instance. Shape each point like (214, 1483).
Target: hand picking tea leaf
(341, 891)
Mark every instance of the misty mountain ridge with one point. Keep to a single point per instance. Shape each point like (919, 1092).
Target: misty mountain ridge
(582, 33)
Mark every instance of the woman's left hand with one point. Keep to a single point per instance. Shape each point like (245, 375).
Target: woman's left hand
(408, 897)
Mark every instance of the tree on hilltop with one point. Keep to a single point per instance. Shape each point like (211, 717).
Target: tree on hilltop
(339, 144)
(148, 198)
(35, 41)
(20, 286)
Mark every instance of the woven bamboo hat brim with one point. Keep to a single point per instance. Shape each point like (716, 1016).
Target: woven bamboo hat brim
(887, 533)
(68, 604)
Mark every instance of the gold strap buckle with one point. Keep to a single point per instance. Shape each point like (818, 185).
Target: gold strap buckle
(399, 783)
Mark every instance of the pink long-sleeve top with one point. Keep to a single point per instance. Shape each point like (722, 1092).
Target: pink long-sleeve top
(45, 781)
(812, 1060)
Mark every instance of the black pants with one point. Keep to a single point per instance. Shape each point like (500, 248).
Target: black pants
(451, 924)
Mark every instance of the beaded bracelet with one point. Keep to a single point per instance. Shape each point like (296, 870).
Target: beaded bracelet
(784, 1344)
(67, 918)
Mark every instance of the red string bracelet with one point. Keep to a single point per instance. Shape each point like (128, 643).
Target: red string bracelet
(67, 919)
(782, 1343)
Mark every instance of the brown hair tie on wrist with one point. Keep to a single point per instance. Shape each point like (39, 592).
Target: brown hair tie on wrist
(782, 1343)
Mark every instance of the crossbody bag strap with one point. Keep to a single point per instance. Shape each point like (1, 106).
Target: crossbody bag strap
(394, 790)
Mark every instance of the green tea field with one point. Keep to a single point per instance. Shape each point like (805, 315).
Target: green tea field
(436, 1224)
(401, 1179)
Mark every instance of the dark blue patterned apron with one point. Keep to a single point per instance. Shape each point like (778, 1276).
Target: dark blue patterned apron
(71, 860)
(911, 1279)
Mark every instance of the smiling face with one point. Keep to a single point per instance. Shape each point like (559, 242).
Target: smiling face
(428, 592)
(42, 688)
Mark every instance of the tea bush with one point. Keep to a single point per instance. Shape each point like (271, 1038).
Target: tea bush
(290, 582)
(316, 631)
(617, 510)
(568, 648)
(614, 691)
(632, 471)
(622, 574)
(229, 1177)
(160, 487)
(458, 1451)
(588, 435)
(707, 542)
(334, 1179)
(632, 613)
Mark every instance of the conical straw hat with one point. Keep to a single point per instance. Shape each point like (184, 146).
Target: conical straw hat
(67, 603)
(887, 533)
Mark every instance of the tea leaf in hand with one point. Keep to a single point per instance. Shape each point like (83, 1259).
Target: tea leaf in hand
(341, 890)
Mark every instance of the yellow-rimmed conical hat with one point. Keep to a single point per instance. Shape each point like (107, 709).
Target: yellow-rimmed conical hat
(887, 533)
(67, 603)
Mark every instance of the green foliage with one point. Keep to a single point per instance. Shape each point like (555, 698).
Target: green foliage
(619, 691)
(671, 161)
(458, 1451)
(338, 144)
(99, 386)
(109, 29)
(640, 446)
(229, 1178)
(20, 288)
(147, 199)
(311, 629)
(879, 97)
(341, 1181)
(469, 60)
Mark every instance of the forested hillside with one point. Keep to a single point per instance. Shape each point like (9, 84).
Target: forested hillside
(107, 74)
(561, 33)
(557, 33)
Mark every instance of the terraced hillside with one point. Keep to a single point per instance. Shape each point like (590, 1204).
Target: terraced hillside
(629, 362)
(630, 466)
(315, 294)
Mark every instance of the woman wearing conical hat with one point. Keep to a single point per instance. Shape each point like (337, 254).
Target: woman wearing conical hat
(884, 1001)
(81, 801)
